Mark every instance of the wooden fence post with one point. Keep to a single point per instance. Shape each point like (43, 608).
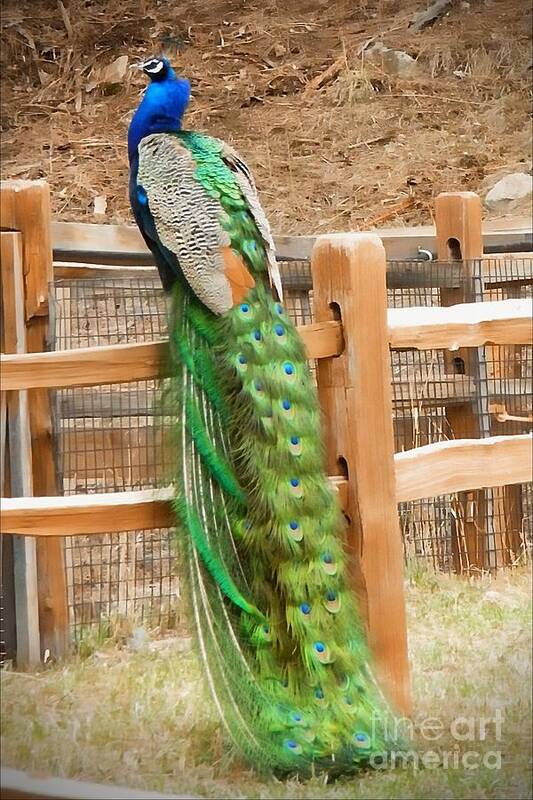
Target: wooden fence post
(25, 207)
(459, 238)
(20, 461)
(355, 394)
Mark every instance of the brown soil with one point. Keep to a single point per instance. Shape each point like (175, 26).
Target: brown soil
(365, 148)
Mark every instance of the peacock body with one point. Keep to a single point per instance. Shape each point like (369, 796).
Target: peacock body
(260, 528)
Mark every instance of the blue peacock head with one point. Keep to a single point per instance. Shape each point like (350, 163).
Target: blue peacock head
(157, 69)
(163, 105)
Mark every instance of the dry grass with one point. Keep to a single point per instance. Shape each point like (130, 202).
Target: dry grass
(143, 718)
(338, 157)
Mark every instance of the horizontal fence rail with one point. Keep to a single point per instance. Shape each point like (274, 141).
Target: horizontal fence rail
(436, 469)
(467, 325)
(464, 325)
(85, 514)
(463, 464)
(74, 241)
(90, 366)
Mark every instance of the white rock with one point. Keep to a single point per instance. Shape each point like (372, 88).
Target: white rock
(394, 62)
(509, 189)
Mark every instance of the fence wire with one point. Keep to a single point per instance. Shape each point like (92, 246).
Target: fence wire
(110, 437)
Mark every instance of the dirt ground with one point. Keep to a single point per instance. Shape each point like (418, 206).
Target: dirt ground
(336, 140)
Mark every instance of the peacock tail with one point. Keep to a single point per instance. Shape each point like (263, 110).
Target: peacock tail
(259, 526)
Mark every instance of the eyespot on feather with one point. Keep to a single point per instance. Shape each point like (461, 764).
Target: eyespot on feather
(328, 565)
(296, 487)
(361, 740)
(322, 652)
(289, 370)
(293, 746)
(332, 602)
(295, 532)
(295, 445)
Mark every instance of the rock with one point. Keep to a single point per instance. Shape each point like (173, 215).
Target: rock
(509, 191)
(394, 62)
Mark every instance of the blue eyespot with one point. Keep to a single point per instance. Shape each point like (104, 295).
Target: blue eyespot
(245, 308)
(319, 694)
(348, 701)
(319, 647)
(257, 336)
(288, 368)
(295, 482)
(331, 596)
(305, 608)
(258, 386)
(242, 359)
(286, 404)
(291, 744)
(327, 559)
(279, 330)
(296, 717)
(361, 740)
(293, 525)
(266, 629)
(279, 308)
(295, 440)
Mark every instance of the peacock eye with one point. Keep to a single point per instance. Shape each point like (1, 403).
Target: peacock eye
(288, 368)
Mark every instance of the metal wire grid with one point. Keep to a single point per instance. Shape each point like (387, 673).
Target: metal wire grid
(428, 385)
(111, 440)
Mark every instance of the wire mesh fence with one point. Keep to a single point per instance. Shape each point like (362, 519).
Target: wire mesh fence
(110, 438)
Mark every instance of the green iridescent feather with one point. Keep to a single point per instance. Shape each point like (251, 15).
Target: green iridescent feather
(261, 532)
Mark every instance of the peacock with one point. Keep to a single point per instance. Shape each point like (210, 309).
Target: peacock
(259, 526)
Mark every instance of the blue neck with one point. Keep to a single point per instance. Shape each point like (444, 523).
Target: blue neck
(160, 111)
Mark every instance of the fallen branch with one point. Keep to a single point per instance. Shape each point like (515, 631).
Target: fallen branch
(328, 75)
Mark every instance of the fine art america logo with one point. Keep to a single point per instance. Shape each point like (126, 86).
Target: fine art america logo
(458, 737)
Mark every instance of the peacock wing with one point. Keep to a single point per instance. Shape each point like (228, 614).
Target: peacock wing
(188, 221)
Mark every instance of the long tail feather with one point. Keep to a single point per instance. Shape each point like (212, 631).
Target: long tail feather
(283, 654)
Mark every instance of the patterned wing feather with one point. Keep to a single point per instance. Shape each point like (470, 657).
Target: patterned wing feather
(186, 217)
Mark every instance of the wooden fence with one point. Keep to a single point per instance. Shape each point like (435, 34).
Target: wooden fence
(350, 339)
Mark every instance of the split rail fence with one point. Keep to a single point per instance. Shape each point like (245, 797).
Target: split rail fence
(54, 442)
